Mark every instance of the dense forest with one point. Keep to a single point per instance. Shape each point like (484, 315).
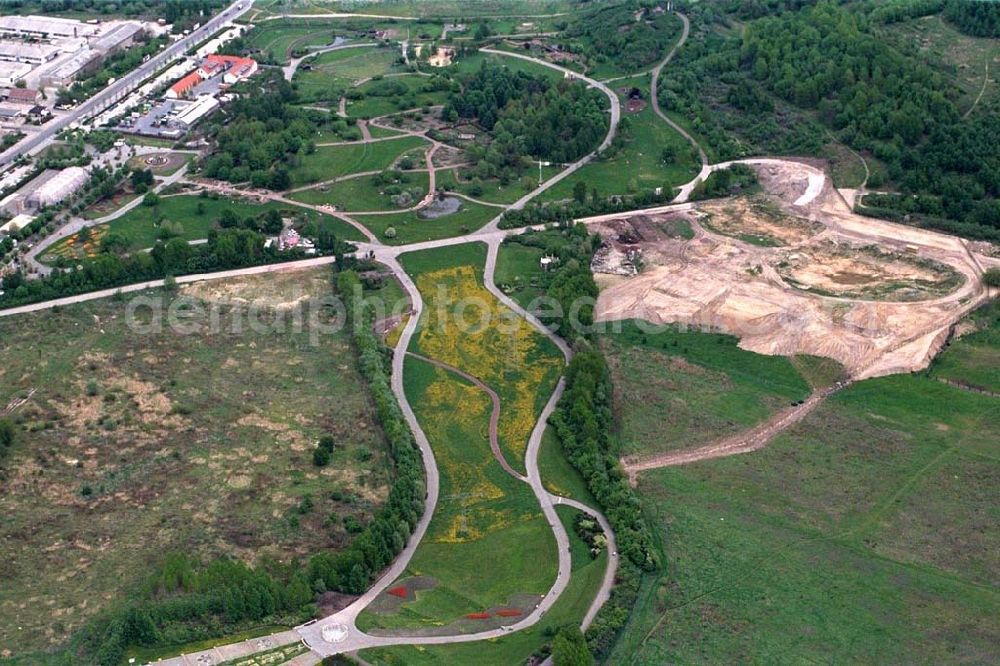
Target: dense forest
(529, 117)
(795, 80)
(628, 35)
(979, 18)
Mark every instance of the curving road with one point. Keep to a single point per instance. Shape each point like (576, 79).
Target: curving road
(686, 189)
(616, 114)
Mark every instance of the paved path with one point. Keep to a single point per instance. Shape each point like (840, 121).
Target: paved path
(616, 112)
(687, 188)
(494, 412)
(154, 284)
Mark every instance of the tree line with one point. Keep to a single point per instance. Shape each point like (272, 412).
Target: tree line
(979, 18)
(584, 423)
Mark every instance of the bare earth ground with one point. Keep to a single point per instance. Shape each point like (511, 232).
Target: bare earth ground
(796, 272)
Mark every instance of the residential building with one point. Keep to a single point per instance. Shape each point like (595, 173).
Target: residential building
(23, 96)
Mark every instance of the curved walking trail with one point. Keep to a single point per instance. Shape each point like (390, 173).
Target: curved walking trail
(494, 413)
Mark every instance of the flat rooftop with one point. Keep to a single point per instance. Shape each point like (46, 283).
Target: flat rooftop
(46, 25)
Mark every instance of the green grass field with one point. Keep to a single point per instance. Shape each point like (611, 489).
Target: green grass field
(373, 106)
(329, 162)
(410, 228)
(331, 73)
(973, 360)
(135, 443)
(361, 194)
(520, 273)
(694, 387)
(492, 190)
(867, 533)
(484, 513)
(516, 648)
(278, 37)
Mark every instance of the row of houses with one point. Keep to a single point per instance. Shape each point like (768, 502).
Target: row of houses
(232, 68)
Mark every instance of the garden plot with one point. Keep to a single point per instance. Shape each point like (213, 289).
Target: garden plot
(876, 297)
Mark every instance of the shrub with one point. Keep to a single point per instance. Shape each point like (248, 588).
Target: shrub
(326, 442)
(321, 457)
(390, 232)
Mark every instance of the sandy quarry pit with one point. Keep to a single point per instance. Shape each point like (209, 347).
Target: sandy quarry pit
(792, 271)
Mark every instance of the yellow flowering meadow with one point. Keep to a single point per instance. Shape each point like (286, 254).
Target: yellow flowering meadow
(505, 352)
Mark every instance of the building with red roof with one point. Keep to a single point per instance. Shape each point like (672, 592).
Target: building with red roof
(183, 86)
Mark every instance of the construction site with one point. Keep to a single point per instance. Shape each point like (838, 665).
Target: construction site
(793, 271)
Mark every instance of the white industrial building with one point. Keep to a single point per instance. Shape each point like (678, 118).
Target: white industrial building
(54, 187)
(203, 106)
(45, 27)
(34, 54)
(82, 62)
(12, 72)
(116, 37)
(16, 223)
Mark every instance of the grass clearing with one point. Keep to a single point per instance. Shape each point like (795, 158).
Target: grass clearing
(329, 162)
(411, 228)
(363, 194)
(132, 446)
(484, 514)
(639, 165)
(196, 216)
(493, 191)
(865, 533)
(410, 96)
(328, 75)
(694, 387)
(587, 574)
(973, 360)
(279, 37)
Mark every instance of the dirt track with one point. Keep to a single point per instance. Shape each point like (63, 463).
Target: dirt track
(753, 439)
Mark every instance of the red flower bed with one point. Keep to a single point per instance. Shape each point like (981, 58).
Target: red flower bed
(508, 612)
(478, 616)
(398, 591)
